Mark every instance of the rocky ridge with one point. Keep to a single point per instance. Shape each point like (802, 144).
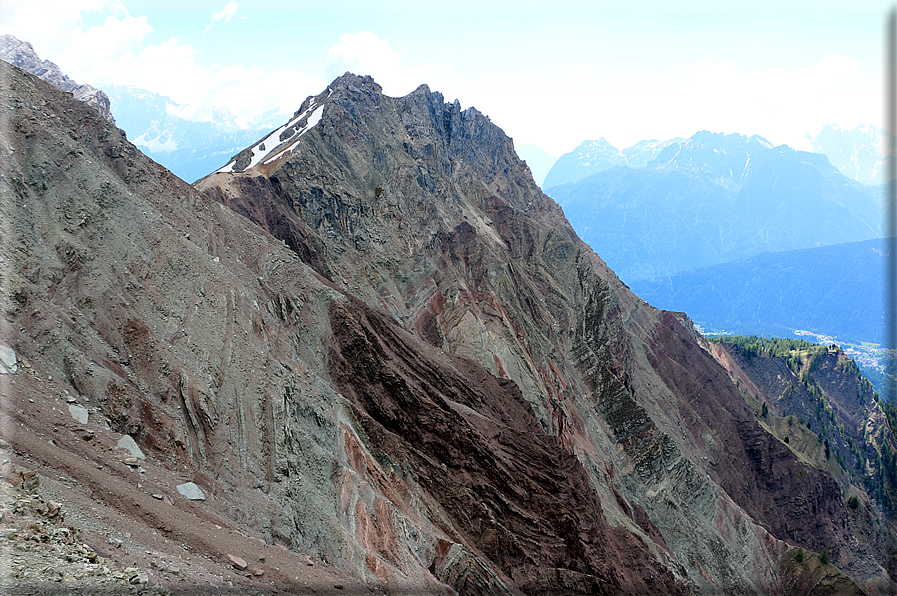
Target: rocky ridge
(425, 212)
(22, 54)
(409, 372)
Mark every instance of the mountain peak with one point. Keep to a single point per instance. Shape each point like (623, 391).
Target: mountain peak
(460, 397)
(720, 139)
(349, 80)
(21, 54)
(855, 152)
(591, 157)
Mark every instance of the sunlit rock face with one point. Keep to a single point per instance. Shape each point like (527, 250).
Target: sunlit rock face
(402, 358)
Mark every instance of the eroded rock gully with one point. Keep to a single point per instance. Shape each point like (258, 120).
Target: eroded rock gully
(510, 491)
(406, 366)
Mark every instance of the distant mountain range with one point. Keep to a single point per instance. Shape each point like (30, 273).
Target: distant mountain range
(189, 149)
(715, 198)
(856, 152)
(591, 157)
(832, 290)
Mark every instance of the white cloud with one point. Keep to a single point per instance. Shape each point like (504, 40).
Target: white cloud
(781, 104)
(226, 14)
(53, 27)
(115, 52)
(364, 53)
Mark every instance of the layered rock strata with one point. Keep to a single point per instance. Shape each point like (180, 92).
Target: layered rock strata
(425, 212)
(409, 365)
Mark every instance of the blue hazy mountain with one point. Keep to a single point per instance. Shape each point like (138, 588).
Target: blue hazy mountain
(832, 290)
(189, 149)
(591, 157)
(855, 152)
(716, 198)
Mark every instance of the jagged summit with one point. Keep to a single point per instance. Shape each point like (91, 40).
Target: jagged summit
(425, 212)
(22, 54)
(267, 154)
(435, 386)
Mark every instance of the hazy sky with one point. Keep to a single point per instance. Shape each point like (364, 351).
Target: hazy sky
(550, 73)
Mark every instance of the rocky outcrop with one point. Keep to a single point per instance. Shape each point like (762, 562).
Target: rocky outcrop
(820, 407)
(425, 212)
(441, 388)
(22, 54)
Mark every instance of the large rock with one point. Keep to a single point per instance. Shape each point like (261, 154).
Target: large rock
(192, 492)
(8, 360)
(127, 442)
(79, 413)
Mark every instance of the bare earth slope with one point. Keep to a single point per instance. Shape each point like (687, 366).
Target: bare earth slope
(425, 211)
(182, 324)
(439, 388)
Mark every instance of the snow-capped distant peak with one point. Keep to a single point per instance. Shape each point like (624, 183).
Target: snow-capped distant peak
(281, 141)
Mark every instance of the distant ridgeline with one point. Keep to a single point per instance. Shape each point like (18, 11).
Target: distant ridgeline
(792, 350)
(830, 290)
(189, 149)
(815, 399)
(715, 198)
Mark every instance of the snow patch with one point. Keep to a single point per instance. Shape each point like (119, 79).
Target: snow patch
(271, 147)
(156, 145)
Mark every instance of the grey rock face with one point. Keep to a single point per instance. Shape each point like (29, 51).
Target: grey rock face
(191, 491)
(22, 54)
(425, 211)
(8, 362)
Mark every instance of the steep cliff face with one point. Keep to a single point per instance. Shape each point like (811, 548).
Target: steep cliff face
(424, 211)
(435, 387)
(820, 407)
(307, 419)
